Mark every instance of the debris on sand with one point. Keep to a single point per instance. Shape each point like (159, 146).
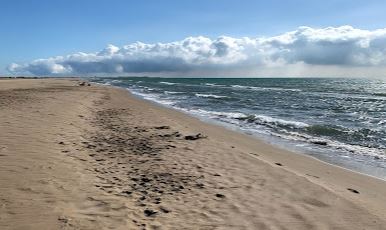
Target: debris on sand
(220, 195)
(195, 137)
(162, 127)
(149, 212)
(353, 190)
(83, 83)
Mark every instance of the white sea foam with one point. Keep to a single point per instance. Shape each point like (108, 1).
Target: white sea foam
(260, 119)
(278, 121)
(214, 114)
(346, 96)
(215, 85)
(167, 83)
(210, 95)
(148, 88)
(152, 97)
(105, 83)
(356, 149)
(328, 144)
(240, 86)
(172, 92)
(264, 88)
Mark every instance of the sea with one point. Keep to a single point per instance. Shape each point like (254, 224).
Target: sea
(337, 120)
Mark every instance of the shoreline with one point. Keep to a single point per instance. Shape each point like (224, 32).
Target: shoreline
(353, 156)
(102, 158)
(276, 143)
(278, 151)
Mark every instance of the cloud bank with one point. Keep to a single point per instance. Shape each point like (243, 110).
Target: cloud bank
(331, 50)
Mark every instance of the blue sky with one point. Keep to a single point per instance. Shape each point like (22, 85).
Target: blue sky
(33, 29)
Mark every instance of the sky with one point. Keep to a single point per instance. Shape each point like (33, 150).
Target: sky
(193, 37)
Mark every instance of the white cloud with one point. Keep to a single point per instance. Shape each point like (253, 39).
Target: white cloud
(306, 49)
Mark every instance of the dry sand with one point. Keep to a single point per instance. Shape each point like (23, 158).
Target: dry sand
(94, 157)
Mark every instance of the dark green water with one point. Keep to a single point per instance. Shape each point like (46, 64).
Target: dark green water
(341, 121)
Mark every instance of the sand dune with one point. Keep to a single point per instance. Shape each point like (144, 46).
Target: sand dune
(94, 157)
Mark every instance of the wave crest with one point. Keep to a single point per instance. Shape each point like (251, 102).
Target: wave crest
(210, 96)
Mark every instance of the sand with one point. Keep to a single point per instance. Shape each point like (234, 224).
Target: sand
(95, 157)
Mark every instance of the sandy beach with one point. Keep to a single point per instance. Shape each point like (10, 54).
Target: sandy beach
(96, 157)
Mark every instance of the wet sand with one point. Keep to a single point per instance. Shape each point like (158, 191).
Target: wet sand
(95, 157)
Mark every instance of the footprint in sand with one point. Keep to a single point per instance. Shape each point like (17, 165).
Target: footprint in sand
(312, 176)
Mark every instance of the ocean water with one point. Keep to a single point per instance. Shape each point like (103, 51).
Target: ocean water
(340, 121)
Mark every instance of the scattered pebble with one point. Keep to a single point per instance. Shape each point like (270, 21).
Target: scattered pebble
(220, 195)
(127, 192)
(63, 219)
(164, 210)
